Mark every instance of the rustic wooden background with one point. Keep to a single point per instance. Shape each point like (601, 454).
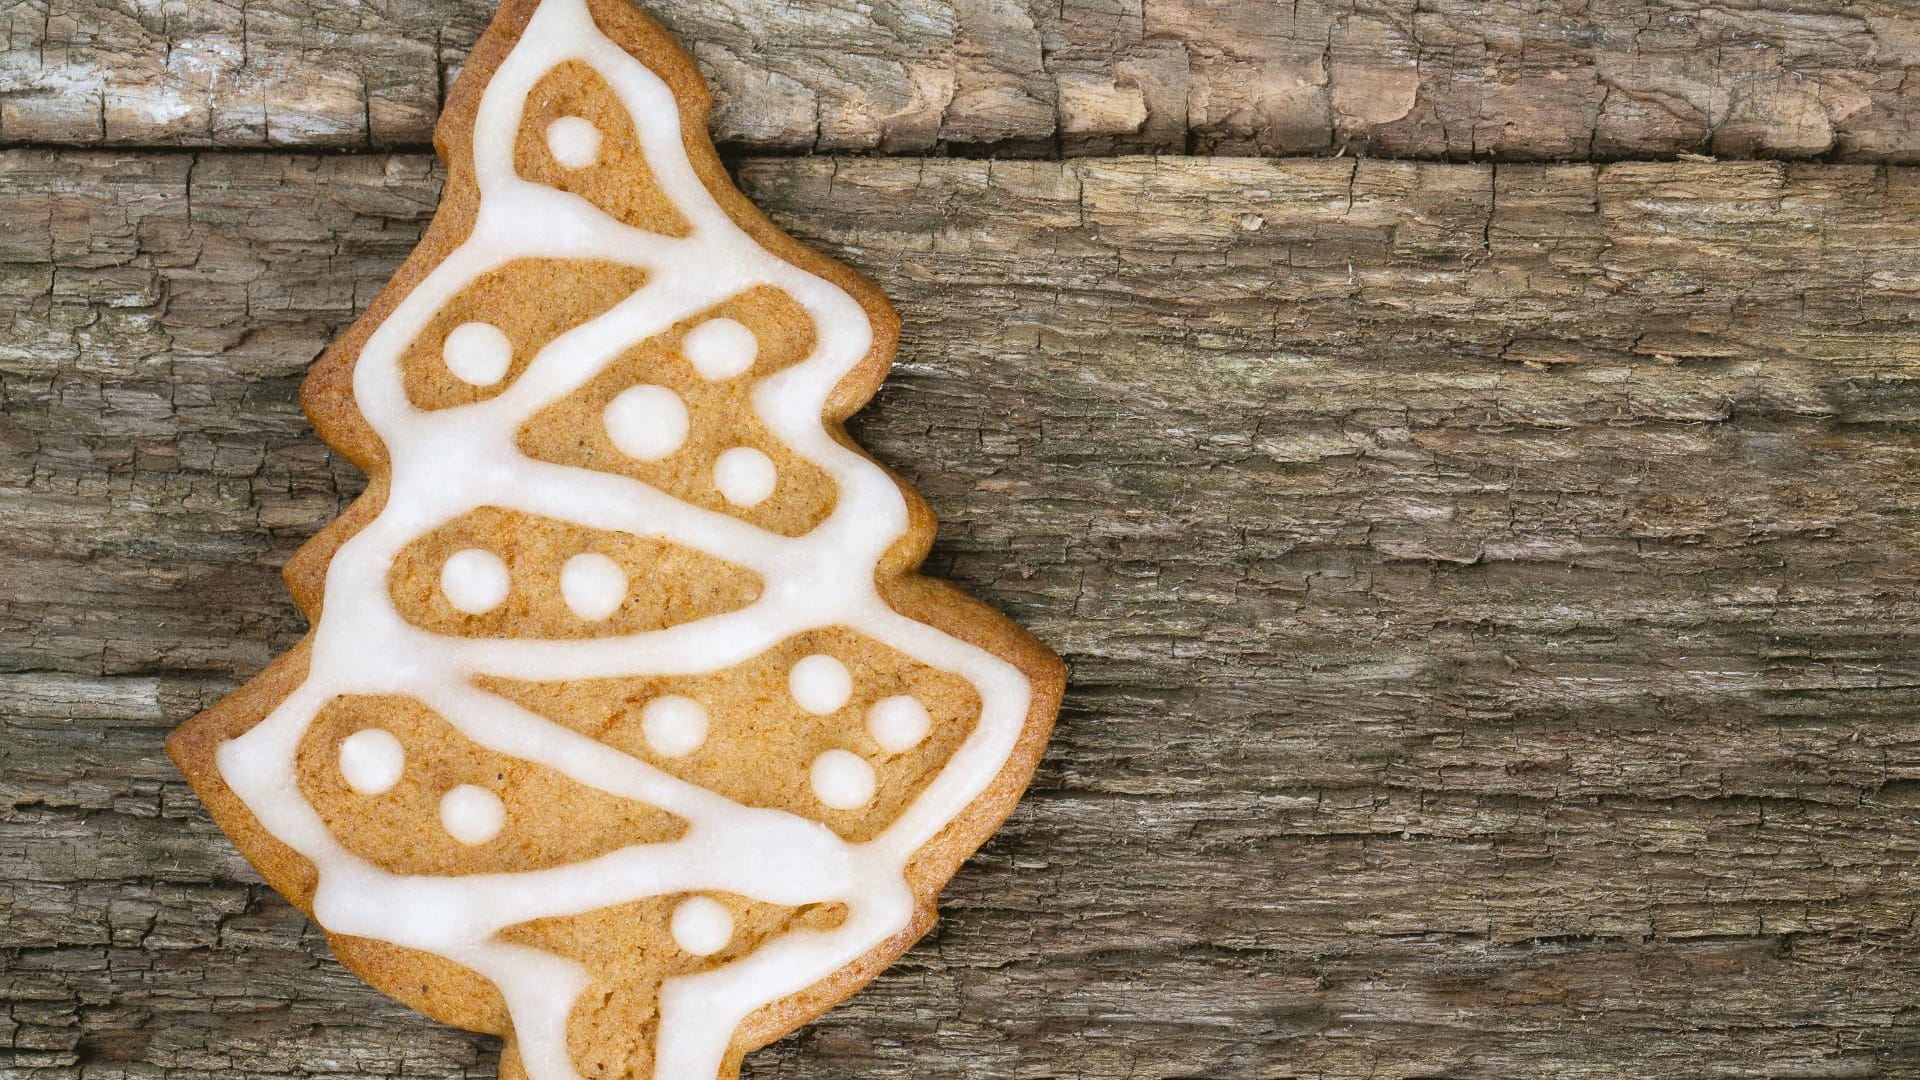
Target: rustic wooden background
(1488, 574)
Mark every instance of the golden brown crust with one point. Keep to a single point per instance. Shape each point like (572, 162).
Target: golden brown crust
(377, 828)
(688, 584)
(567, 432)
(430, 984)
(573, 291)
(621, 182)
(752, 717)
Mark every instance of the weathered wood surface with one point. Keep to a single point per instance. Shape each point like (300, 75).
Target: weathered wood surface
(1490, 594)
(1454, 79)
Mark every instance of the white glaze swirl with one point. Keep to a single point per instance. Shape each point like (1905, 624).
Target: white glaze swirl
(447, 463)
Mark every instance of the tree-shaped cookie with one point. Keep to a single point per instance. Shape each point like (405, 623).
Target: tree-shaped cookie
(626, 728)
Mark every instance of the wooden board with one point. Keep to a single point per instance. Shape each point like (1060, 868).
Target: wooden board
(1452, 79)
(1491, 596)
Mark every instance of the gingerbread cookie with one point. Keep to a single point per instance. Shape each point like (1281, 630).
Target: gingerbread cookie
(626, 728)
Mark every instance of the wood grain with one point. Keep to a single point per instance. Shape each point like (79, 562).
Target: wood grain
(1513, 80)
(1490, 593)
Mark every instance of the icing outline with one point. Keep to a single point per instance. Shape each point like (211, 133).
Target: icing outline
(445, 463)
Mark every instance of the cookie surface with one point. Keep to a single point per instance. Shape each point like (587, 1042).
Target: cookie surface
(626, 729)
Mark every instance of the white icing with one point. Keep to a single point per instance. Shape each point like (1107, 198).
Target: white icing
(446, 463)
(477, 353)
(472, 814)
(701, 925)
(745, 476)
(674, 725)
(720, 348)
(372, 760)
(898, 723)
(574, 142)
(842, 779)
(647, 422)
(820, 683)
(475, 580)
(593, 586)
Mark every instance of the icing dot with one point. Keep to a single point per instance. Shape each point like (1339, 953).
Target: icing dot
(472, 815)
(372, 761)
(898, 723)
(674, 725)
(820, 684)
(647, 422)
(702, 925)
(842, 780)
(477, 353)
(593, 586)
(574, 142)
(720, 348)
(745, 476)
(475, 581)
